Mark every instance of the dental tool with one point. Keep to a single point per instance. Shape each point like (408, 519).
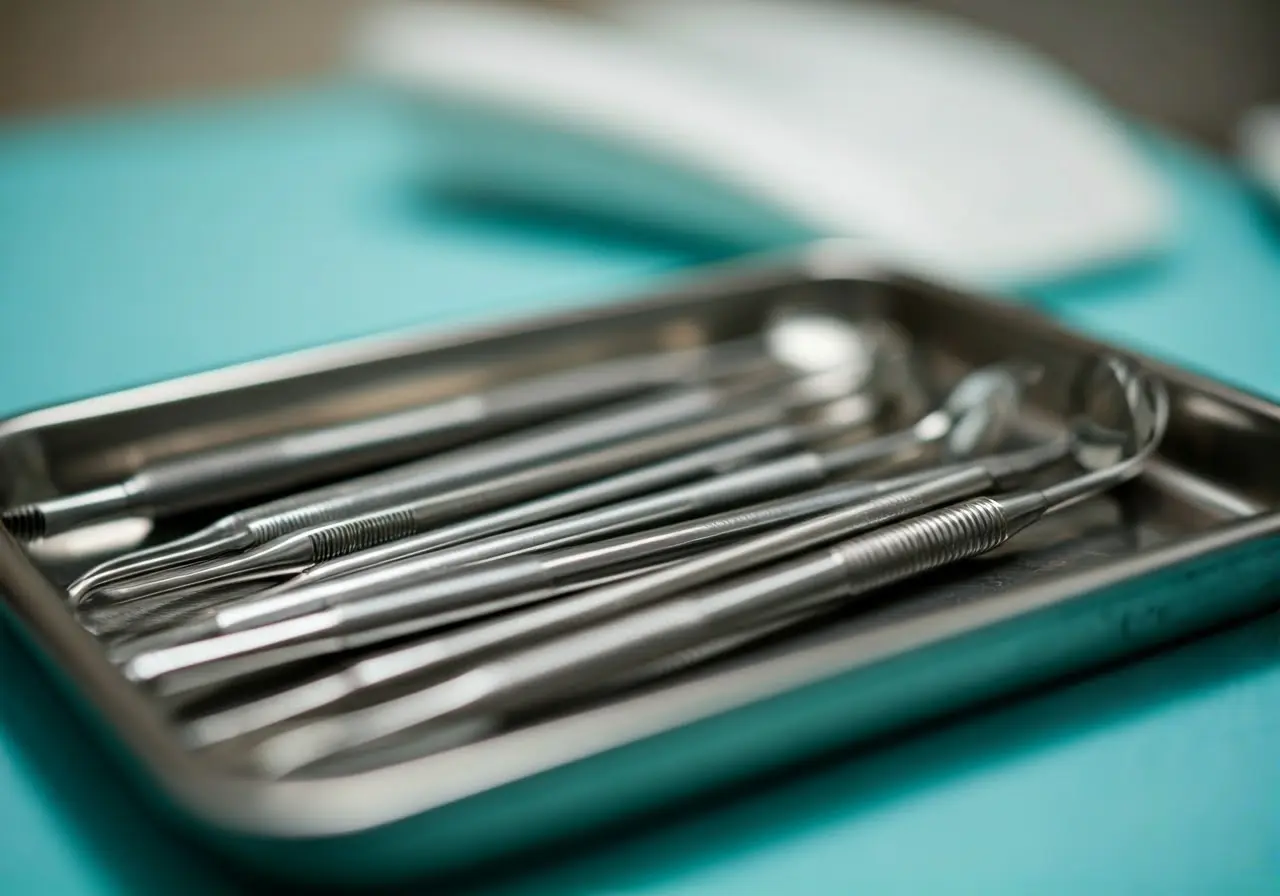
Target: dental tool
(174, 672)
(852, 355)
(665, 458)
(477, 700)
(250, 527)
(289, 555)
(244, 469)
(1087, 442)
(973, 418)
(459, 592)
(977, 410)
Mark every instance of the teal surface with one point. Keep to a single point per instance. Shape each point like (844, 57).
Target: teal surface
(140, 246)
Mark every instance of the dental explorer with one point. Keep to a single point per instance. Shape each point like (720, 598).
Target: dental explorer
(244, 469)
(521, 680)
(852, 357)
(974, 417)
(975, 397)
(646, 464)
(173, 671)
(533, 575)
(467, 592)
(436, 654)
(250, 527)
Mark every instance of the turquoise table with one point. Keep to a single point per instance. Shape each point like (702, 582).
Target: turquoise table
(140, 246)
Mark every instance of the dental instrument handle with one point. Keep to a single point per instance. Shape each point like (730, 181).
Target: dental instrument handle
(591, 606)
(240, 470)
(533, 675)
(168, 669)
(365, 607)
(475, 590)
(358, 615)
(329, 541)
(735, 488)
(808, 469)
(731, 489)
(175, 669)
(759, 446)
(847, 569)
(253, 526)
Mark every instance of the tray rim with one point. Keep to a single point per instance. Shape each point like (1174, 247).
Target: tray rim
(286, 810)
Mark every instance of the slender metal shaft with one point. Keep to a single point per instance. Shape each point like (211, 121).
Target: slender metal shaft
(738, 488)
(325, 692)
(475, 700)
(192, 666)
(304, 617)
(862, 454)
(979, 409)
(524, 679)
(318, 544)
(796, 611)
(244, 469)
(254, 526)
(463, 592)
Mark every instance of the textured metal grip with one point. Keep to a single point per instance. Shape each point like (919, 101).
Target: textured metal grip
(304, 517)
(359, 534)
(924, 543)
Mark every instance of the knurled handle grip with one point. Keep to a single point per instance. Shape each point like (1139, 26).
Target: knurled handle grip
(361, 533)
(926, 542)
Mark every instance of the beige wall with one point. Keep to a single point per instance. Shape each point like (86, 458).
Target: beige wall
(1191, 64)
(60, 53)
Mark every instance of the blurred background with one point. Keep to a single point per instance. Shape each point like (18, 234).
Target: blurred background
(1192, 67)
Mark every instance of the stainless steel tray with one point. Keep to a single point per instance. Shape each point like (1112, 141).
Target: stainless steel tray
(1194, 542)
